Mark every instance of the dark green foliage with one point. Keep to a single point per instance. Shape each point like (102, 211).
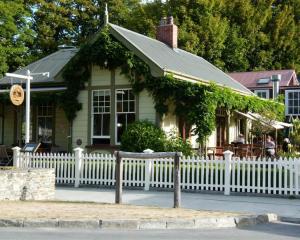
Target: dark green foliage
(15, 35)
(103, 51)
(143, 135)
(195, 103)
(236, 35)
(177, 144)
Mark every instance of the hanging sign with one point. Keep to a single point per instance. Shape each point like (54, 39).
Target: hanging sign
(16, 94)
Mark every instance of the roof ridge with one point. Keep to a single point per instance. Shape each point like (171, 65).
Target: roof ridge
(262, 71)
(150, 38)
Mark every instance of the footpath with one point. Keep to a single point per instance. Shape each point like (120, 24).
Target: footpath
(94, 208)
(111, 216)
(283, 207)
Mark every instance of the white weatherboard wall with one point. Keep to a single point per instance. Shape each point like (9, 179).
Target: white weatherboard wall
(169, 123)
(121, 79)
(80, 123)
(146, 107)
(233, 129)
(193, 139)
(212, 139)
(100, 76)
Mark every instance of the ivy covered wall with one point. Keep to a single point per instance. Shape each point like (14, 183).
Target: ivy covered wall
(196, 103)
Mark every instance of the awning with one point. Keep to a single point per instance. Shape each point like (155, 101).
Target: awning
(45, 89)
(246, 115)
(268, 122)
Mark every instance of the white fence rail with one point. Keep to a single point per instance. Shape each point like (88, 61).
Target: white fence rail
(262, 176)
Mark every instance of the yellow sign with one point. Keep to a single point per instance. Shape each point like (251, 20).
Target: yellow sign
(16, 94)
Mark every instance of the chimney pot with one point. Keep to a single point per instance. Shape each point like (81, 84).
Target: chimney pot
(167, 32)
(170, 20)
(163, 21)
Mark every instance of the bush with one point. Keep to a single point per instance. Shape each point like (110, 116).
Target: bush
(144, 134)
(177, 144)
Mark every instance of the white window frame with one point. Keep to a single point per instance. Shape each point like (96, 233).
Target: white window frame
(267, 91)
(92, 115)
(116, 112)
(287, 102)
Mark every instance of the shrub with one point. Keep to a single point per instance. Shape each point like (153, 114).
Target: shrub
(177, 144)
(142, 135)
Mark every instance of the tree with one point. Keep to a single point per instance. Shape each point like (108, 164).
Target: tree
(15, 35)
(59, 22)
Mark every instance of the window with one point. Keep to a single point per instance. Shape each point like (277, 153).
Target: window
(101, 117)
(262, 93)
(45, 123)
(292, 102)
(125, 110)
(263, 81)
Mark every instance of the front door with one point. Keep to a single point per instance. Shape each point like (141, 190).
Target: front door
(221, 131)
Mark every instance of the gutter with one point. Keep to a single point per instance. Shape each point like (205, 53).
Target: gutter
(197, 80)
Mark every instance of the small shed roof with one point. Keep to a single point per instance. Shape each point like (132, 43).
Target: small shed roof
(250, 79)
(52, 63)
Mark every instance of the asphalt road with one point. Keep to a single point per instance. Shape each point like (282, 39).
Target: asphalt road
(273, 231)
(214, 202)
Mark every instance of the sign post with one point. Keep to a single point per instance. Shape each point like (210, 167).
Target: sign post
(27, 110)
(27, 77)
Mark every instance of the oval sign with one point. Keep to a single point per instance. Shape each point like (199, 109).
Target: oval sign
(16, 94)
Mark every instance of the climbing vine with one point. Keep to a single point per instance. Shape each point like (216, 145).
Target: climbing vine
(194, 102)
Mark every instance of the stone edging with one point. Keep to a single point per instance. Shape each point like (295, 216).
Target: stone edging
(200, 223)
(289, 219)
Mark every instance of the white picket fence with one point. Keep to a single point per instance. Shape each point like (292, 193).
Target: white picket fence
(266, 176)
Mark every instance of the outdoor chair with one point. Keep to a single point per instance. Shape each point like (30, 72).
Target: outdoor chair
(5, 159)
(243, 150)
(229, 147)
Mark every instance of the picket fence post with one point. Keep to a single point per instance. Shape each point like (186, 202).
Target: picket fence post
(148, 168)
(78, 165)
(16, 157)
(297, 180)
(228, 158)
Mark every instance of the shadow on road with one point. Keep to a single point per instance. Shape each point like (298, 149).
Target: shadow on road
(277, 228)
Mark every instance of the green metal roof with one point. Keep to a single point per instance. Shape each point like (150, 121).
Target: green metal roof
(53, 64)
(162, 59)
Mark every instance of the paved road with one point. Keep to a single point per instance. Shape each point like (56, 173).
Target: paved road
(250, 204)
(274, 231)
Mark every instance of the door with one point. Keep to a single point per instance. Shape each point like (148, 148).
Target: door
(221, 131)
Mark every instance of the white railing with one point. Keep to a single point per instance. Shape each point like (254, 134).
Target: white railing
(262, 176)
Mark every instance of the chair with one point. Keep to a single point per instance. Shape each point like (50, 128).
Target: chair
(243, 150)
(257, 150)
(5, 160)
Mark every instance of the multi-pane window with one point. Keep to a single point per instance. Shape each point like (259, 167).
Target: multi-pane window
(101, 116)
(45, 123)
(292, 102)
(262, 93)
(125, 110)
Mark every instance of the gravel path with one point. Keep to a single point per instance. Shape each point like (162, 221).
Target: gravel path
(86, 211)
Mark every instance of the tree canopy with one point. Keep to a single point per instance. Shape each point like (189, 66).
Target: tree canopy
(235, 35)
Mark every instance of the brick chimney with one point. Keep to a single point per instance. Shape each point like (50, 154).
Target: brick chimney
(167, 32)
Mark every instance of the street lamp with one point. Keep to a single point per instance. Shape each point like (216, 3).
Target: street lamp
(28, 77)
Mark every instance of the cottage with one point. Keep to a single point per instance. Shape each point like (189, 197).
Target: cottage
(108, 103)
(263, 85)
